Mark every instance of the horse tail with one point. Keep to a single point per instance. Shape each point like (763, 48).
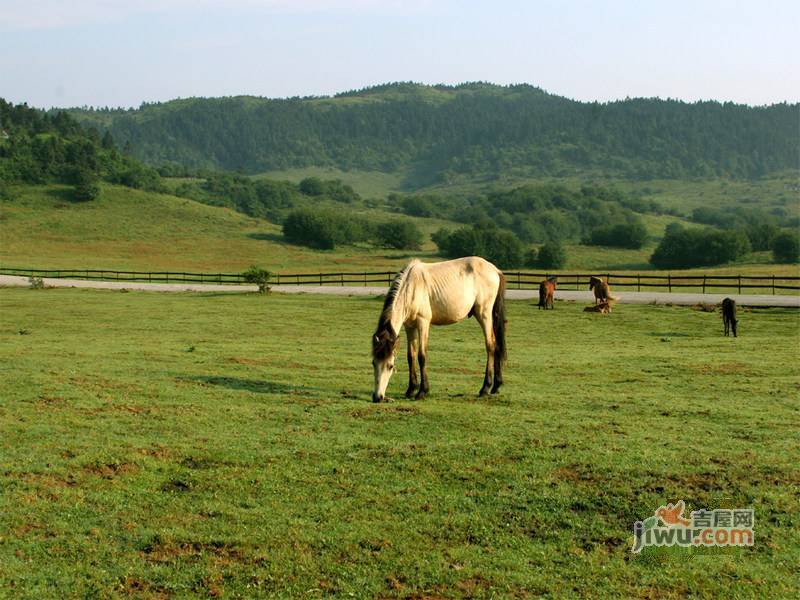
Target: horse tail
(499, 322)
(542, 294)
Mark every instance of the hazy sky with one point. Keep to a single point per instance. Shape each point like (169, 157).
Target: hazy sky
(120, 53)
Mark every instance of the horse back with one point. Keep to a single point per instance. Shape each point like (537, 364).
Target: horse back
(455, 289)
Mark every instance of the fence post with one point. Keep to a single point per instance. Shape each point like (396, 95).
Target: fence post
(638, 282)
(773, 285)
(704, 284)
(669, 283)
(740, 284)
(365, 279)
(341, 278)
(518, 281)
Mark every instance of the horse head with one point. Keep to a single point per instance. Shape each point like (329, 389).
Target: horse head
(384, 346)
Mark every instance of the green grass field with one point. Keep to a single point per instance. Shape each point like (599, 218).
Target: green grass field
(158, 445)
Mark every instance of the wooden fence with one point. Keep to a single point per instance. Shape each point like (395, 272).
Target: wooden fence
(515, 279)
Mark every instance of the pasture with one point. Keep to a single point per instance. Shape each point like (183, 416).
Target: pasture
(207, 444)
(128, 229)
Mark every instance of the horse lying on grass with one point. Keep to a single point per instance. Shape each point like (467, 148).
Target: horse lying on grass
(441, 293)
(603, 308)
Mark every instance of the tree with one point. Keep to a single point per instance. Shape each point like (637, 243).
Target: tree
(552, 255)
(532, 258)
(681, 247)
(108, 140)
(258, 276)
(623, 235)
(498, 246)
(312, 186)
(307, 227)
(86, 186)
(786, 247)
(401, 234)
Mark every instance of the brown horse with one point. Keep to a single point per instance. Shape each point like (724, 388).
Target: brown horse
(441, 293)
(601, 289)
(546, 290)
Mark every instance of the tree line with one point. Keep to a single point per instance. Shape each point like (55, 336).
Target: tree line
(37, 147)
(438, 133)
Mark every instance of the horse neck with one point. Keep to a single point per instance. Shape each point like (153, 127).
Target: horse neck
(399, 311)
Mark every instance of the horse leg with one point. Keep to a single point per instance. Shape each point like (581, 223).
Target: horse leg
(412, 337)
(423, 328)
(485, 319)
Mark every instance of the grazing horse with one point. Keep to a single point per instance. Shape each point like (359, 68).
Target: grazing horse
(546, 290)
(441, 293)
(729, 315)
(601, 289)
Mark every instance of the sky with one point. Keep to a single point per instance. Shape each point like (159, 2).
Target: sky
(121, 53)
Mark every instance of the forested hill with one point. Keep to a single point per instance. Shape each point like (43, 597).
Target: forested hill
(437, 132)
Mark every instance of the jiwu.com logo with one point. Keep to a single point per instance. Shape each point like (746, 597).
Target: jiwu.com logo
(720, 527)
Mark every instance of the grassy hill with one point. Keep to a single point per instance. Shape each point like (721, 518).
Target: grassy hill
(134, 229)
(40, 226)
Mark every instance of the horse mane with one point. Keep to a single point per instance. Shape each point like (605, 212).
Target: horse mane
(385, 337)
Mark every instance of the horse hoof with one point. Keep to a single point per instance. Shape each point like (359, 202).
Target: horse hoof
(483, 392)
(410, 392)
(420, 395)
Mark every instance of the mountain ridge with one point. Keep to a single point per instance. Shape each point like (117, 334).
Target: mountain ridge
(438, 132)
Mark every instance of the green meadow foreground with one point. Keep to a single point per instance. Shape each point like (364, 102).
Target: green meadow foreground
(208, 444)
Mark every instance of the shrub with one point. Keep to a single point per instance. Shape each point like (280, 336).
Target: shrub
(417, 206)
(786, 247)
(258, 276)
(762, 235)
(86, 186)
(495, 245)
(400, 234)
(681, 248)
(552, 255)
(622, 235)
(309, 228)
(312, 186)
(324, 229)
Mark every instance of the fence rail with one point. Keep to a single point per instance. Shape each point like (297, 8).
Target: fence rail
(515, 279)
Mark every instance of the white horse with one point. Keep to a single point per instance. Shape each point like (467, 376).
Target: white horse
(441, 293)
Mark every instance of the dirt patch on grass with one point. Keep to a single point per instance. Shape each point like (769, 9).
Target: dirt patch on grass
(132, 586)
(156, 451)
(732, 368)
(241, 360)
(219, 552)
(577, 474)
(397, 410)
(110, 470)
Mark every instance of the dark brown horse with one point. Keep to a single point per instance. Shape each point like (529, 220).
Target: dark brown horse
(546, 290)
(729, 316)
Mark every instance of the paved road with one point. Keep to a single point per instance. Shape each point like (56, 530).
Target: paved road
(679, 298)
